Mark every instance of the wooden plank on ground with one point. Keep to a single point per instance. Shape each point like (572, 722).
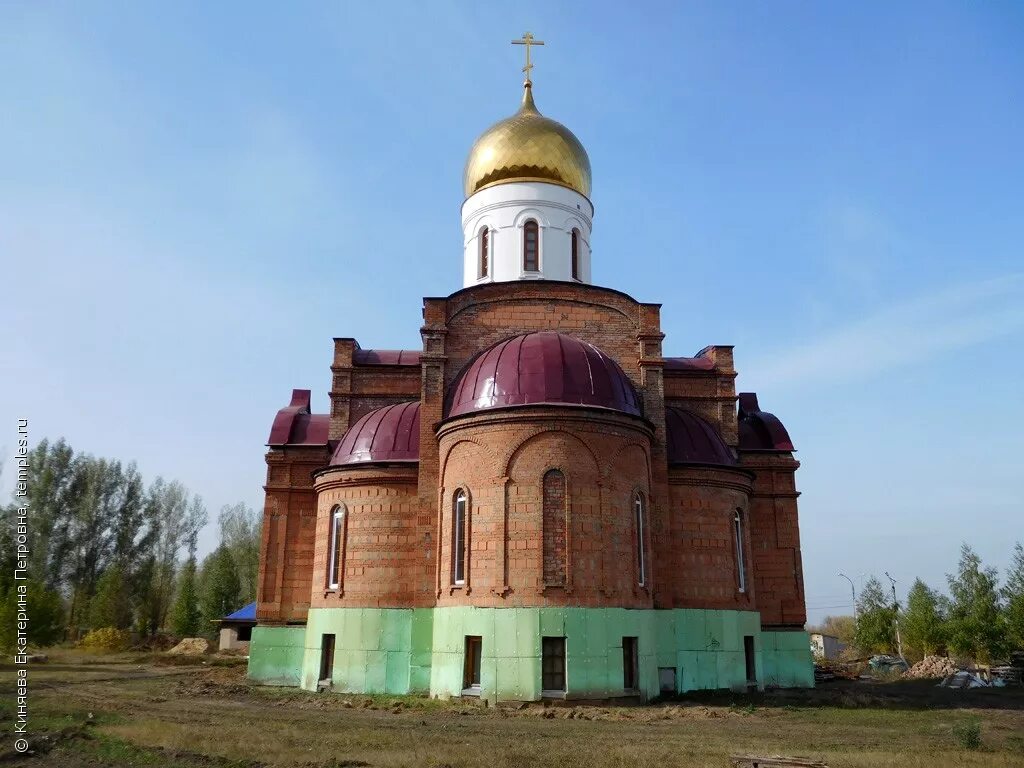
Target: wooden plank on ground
(774, 761)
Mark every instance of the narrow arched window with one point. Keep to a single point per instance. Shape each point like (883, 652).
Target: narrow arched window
(459, 538)
(641, 560)
(531, 246)
(741, 562)
(553, 521)
(485, 251)
(335, 547)
(575, 254)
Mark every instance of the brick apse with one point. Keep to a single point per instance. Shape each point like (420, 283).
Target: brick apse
(537, 503)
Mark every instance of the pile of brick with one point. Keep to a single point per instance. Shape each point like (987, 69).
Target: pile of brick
(933, 667)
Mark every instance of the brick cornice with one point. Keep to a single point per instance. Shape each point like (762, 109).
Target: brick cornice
(345, 477)
(734, 478)
(775, 495)
(581, 415)
(518, 290)
(285, 488)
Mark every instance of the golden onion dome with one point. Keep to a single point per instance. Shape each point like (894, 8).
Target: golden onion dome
(528, 147)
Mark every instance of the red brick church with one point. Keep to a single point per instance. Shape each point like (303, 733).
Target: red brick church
(538, 502)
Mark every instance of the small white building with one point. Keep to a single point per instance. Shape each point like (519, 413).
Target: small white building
(236, 629)
(826, 646)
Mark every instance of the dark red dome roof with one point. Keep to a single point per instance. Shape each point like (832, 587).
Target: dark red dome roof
(540, 368)
(760, 430)
(391, 433)
(691, 440)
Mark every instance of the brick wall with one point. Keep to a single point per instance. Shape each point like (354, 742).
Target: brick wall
(385, 553)
(399, 535)
(289, 523)
(475, 318)
(775, 536)
(358, 389)
(710, 394)
(500, 459)
(696, 558)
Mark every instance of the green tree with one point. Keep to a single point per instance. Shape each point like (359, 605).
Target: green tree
(185, 617)
(843, 627)
(875, 631)
(222, 590)
(1013, 592)
(240, 531)
(132, 537)
(53, 477)
(111, 606)
(976, 623)
(923, 622)
(86, 552)
(45, 614)
(176, 518)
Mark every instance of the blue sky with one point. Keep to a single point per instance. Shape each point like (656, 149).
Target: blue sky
(195, 198)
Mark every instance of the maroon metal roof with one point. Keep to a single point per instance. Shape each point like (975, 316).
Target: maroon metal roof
(386, 357)
(760, 430)
(543, 367)
(391, 433)
(691, 440)
(295, 425)
(689, 364)
(310, 429)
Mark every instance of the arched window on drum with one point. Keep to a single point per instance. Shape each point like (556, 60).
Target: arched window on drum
(336, 547)
(485, 253)
(531, 246)
(640, 524)
(575, 255)
(459, 547)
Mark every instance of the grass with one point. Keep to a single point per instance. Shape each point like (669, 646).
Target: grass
(207, 716)
(968, 735)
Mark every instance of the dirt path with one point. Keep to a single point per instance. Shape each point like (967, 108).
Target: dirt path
(87, 716)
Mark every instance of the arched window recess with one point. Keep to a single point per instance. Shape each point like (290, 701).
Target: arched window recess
(531, 246)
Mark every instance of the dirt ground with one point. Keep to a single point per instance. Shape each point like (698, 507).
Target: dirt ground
(90, 712)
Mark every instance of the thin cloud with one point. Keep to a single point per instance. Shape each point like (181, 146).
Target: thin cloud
(910, 332)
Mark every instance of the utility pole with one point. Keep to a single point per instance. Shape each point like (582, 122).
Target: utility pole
(853, 595)
(895, 613)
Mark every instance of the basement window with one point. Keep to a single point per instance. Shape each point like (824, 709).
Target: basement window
(630, 664)
(471, 667)
(552, 666)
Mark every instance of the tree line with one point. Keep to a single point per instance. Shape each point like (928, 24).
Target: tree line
(106, 549)
(979, 618)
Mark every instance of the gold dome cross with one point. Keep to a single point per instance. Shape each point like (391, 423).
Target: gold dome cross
(527, 40)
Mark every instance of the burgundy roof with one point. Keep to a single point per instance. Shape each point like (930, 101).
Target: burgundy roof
(295, 425)
(386, 357)
(689, 364)
(760, 430)
(543, 367)
(391, 433)
(691, 440)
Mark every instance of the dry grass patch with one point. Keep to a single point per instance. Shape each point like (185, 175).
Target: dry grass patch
(212, 718)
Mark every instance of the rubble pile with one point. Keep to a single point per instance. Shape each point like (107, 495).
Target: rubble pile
(191, 646)
(964, 679)
(933, 667)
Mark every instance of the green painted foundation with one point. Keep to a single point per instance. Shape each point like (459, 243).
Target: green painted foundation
(403, 651)
(276, 654)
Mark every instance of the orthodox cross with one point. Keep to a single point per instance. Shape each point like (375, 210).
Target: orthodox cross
(527, 40)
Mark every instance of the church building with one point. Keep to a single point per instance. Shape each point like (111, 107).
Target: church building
(537, 503)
